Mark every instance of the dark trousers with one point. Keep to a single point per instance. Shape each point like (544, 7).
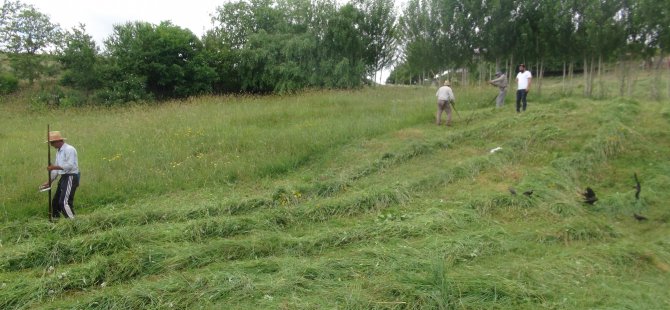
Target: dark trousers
(521, 96)
(63, 200)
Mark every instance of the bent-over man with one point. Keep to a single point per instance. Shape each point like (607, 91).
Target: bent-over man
(445, 97)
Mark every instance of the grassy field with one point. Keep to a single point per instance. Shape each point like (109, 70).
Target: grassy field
(342, 200)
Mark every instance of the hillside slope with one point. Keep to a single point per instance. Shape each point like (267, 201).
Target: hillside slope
(406, 216)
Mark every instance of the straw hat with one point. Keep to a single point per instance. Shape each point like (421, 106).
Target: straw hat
(55, 136)
(447, 83)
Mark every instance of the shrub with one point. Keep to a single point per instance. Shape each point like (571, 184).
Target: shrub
(8, 83)
(132, 89)
(48, 96)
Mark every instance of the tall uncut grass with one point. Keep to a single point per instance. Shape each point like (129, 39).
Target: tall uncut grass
(343, 199)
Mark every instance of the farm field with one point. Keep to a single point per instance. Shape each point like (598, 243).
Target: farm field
(343, 200)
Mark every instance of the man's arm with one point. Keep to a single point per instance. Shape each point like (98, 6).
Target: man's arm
(496, 81)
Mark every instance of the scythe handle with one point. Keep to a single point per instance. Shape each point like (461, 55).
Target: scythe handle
(50, 210)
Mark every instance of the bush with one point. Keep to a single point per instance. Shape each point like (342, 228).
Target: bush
(47, 96)
(73, 98)
(8, 83)
(132, 89)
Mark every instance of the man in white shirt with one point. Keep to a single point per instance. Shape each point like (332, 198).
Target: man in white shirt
(67, 167)
(445, 97)
(523, 87)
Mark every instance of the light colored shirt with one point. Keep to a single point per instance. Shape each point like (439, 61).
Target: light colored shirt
(500, 81)
(523, 79)
(66, 158)
(445, 93)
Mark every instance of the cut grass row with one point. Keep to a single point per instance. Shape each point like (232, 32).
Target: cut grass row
(312, 211)
(142, 214)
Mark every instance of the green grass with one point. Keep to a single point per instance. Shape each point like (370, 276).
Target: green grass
(348, 200)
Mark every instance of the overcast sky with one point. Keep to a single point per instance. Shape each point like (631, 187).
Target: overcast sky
(101, 16)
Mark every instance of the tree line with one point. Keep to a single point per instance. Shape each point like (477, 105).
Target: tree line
(282, 46)
(557, 35)
(255, 46)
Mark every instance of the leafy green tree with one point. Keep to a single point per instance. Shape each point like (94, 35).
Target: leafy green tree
(168, 58)
(345, 48)
(499, 30)
(648, 26)
(422, 40)
(380, 33)
(80, 61)
(26, 33)
(283, 46)
(224, 60)
(603, 34)
(10, 12)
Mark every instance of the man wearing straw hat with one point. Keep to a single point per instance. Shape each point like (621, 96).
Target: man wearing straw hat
(445, 97)
(67, 167)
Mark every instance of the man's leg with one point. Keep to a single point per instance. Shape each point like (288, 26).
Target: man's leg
(75, 185)
(447, 106)
(524, 94)
(442, 105)
(67, 187)
(438, 114)
(55, 207)
(518, 100)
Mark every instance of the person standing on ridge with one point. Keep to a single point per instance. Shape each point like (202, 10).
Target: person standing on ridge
(67, 167)
(523, 87)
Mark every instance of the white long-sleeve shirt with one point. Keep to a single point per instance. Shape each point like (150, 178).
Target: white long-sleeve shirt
(445, 93)
(66, 158)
